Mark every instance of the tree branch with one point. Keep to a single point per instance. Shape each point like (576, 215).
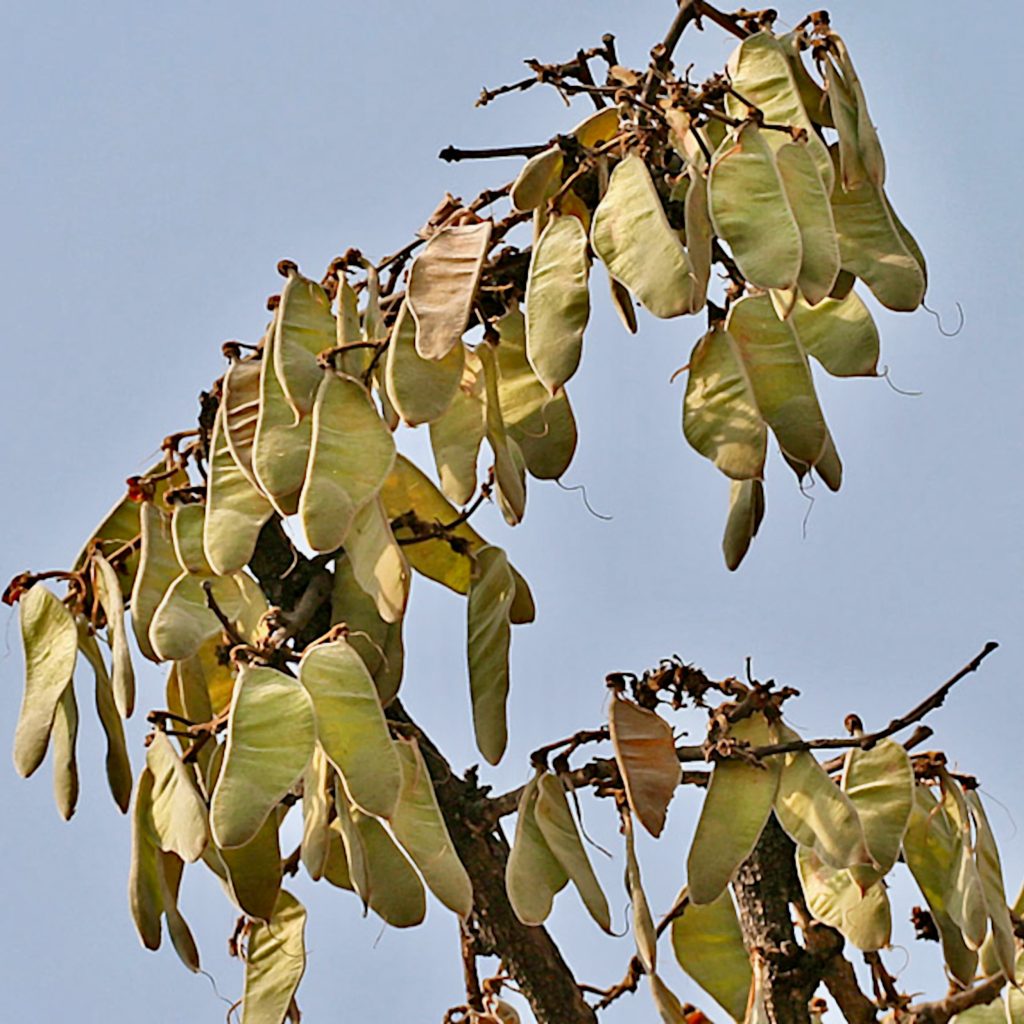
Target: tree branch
(942, 1010)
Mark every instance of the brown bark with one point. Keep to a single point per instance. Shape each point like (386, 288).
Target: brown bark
(765, 885)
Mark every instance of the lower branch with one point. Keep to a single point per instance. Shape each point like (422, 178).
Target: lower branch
(942, 1010)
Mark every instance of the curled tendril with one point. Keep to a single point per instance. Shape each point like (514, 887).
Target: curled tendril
(586, 502)
(899, 391)
(938, 320)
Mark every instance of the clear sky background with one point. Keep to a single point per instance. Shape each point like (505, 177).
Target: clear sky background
(158, 160)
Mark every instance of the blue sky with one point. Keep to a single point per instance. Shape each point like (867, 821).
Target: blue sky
(159, 161)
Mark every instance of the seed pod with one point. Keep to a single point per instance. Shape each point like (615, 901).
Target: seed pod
(644, 935)
(50, 641)
(253, 870)
(118, 767)
(456, 437)
(736, 808)
(834, 898)
(646, 755)
(880, 783)
(708, 944)
(280, 450)
(65, 765)
(240, 405)
(145, 897)
(538, 181)
(966, 900)
(443, 280)
(721, 419)
(815, 812)
(812, 95)
(171, 867)
(844, 110)
(352, 453)
(509, 466)
(304, 325)
(271, 734)
(378, 562)
(557, 301)
(533, 874)
(378, 869)
(597, 128)
(235, 509)
(378, 643)
(840, 334)
(700, 235)
(746, 510)
(875, 247)
(158, 569)
(336, 869)
(350, 725)
(669, 1008)
(188, 523)
(559, 830)
(760, 72)
(317, 797)
(183, 621)
(751, 212)
(780, 377)
(633, 238)
(274, 963)
(809, 200)
(932, 849)
(420, 389)
(355, 361)
(541, 424)
(489, 634)
(856, 118)
(990, 870)
(419, 826)
(111, 598)
(177, 810)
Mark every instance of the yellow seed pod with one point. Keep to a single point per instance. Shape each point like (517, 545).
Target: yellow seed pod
(419, 389)
(533, 874)
(738, 803)
(557, 301)
(50, 642)
(632, 237)
(708, 944)
(235, 509)
(271, 735)
(751, 212)
(558, 827)
(352, 452)
(350, 725)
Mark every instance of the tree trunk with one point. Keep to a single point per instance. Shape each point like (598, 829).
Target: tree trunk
(765, 885)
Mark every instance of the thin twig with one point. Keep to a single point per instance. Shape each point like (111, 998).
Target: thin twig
(661, 55)
(452, 154)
